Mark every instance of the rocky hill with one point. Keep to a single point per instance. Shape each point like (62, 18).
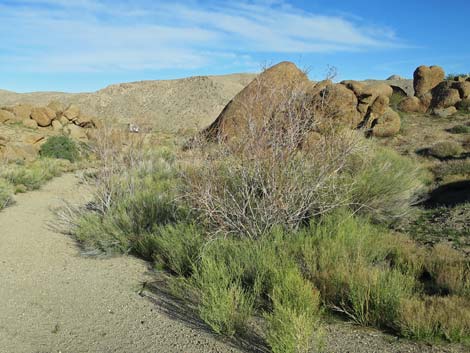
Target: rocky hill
(171, 105)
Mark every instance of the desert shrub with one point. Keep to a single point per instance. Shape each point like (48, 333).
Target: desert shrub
(250, 190)
(449, 270)
(385, 184)
(6, 193)
(129, 208)
(295, 314)
(224, 304)
(32, 176)
(175, 247)
(358, 269)
(449, 168)
(460, 129)
(445, 149)
(61, 147)
(432, 318)
(464, 105)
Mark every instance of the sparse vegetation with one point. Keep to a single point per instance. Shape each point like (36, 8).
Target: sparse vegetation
(446, 149)
(32, 176)
(460, 129)
(6, 193)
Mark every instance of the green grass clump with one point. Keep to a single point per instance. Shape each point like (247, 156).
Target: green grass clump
(295, 314)
(32, 176)
(6, 193)
(61, 147)
(464, 105)
(451, 168)
(359, 270)
(445, 149)
(385, 184)
(224, 304)
(460, 129)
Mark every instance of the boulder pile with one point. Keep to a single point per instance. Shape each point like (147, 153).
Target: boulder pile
(434, 94)
(349, 103)
(40, 122)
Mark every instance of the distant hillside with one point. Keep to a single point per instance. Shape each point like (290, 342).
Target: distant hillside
(169, 105)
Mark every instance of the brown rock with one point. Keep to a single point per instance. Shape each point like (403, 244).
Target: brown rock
(445, 112)
(355, 86)
(262, 98)
(63, 120)
(43, 116)
(379, 106)
(57, 107)
(445, 97)
(56, 125)
(412, 105)
(30, 123)
(341, 106)
(72, 113)
(426, 78)
(22, 111)
(76, 132)
(387, 125)
(6, 116)
(463, 87)
(18, 151)
(84, 121)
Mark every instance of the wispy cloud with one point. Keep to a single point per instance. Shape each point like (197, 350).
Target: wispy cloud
(123, 35)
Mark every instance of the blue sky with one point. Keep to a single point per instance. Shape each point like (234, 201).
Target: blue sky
(85, 45)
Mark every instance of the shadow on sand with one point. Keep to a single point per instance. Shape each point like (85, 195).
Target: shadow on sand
(158, 293)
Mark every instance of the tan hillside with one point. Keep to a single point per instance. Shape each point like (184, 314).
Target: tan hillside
(169, 105)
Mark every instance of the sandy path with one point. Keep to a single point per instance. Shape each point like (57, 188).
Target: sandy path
(53, 300)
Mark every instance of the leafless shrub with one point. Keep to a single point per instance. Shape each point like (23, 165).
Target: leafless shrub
(276, 170)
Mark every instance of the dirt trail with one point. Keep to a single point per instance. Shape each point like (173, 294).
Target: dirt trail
(53, 300)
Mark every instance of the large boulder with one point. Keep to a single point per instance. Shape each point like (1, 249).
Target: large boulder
(263, 97)
(444, 96)
(72, 112)
(30, 123)
(19, 151)
(387, 125)
(43, 116)
(463, 87)
(340, 106)
(412, 105)
(426, 78)
(21, 111)
(56, 106)
(6, 116)
(76, 132)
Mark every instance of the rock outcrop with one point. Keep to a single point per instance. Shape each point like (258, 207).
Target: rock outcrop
(282, 87)
(426, 78)
(35, 124)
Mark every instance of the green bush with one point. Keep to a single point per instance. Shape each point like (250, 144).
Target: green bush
(460, 129)
(431, 318)
(450, 168)
(295, 314)
(464, 105)
(176, 248)
(359, 269)
(6, 193)
(224, 304)
(446, 149)
(385, 184)
(33, 176)
(61, 147)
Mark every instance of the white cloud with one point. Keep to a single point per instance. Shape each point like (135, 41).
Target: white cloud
(86, 35)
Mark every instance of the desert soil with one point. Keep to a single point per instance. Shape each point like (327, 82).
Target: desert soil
(55, 300)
